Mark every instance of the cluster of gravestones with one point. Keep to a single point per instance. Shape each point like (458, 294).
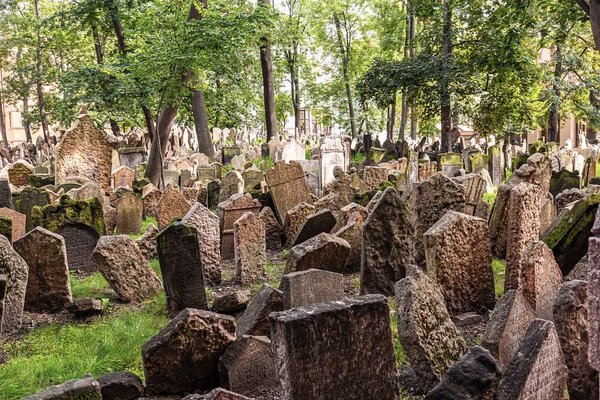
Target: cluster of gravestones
(390, 218)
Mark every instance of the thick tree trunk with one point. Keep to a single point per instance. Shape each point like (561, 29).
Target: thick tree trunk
(392, 118)
(411, 42)
(25, 119)
(445, 98)
(345, 55)
(39, 72)
(292, 56)
(554, 107)
(114, 127)
(205, 145)
(403, 117)
(3, 122)
(268, 89)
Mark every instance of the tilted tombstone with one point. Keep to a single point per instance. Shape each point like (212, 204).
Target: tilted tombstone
(571, 321)
(125, 269)
(172, 205)
(181, 268)
(84, 151)
(507, 326)
(310, 287)
(232, 183)
(250, 247)
(255, 320)
(18, 224)
(387, 244)
(459, 260)
(367, 354)
(248, 366)
(324, 251)
(537, 371)
(321, 222)
(427, 334)
(209, 240)
(230, 211)
(130, 212)
(48, 286)
(288, 187)
(184, 356)
(16, 271)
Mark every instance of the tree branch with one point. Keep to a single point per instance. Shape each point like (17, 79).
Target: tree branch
(584, 6)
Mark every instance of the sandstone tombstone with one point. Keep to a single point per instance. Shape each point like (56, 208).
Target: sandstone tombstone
(273, 230)
(130, 211)
(255, 320)
(250, 248)
(321, 222)
(26, 199)
(294, 219)
(48, 286)
(172, 205)
(209, 240)
(147, 242)
(18, 173)
(288, 187)
(181, 268)
(123, 176)
(311, 287)
(323, 251)
(230, 211)
(373, 176)
(367, 355)
(232, 183)
(80, 241)
(18, 222)
(16, 271)
(132, 156)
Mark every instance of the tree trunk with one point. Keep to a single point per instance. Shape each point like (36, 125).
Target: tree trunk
(39, 72)
(2, 122)
(445, 98)
(205, 145)
(25, 119)
(554, 107)
(411, 41)
(403, 117)
(268, 89)
(114, 127)
(392, 118)
(292, 57)
(97, 45)
(345, 55)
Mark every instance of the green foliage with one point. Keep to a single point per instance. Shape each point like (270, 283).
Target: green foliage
(274, 274)
(267, 160)
(147, 221)
(358, 157)
(401, 358)
(499, 267)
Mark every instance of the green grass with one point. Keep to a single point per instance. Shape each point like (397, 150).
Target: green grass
(267, 160)
(490, 198)
(401, 358)
(145, 223)
(498, 266)
(90, 286)
(358, 157)
(274, 274)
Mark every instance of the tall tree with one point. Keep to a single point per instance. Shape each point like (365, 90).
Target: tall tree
(39, 67)
(268, 86)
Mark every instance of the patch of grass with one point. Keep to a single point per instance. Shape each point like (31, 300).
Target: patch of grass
(499, 268)
(145, 223)
(358, 157)
(490, 198)
(274, 274)
(401, 359)
(57, 353)
(90, 286)
(267, 160)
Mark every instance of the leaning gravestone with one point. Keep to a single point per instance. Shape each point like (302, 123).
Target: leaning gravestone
(426, 332)
(537, 371)
(172, 205)
(294, 219)
(273, 230)
(181, 268)
(18, 222)
(80, 241)
(250, 248)
(287, 186)
(321, 222)
(16, 271)
(5, 194)
(248, 366)
(83, 151)
(18, 173)
(26, 199)
(130, 210)
(311, 287)
(387, 244)
(459, 260)
(571, 320)
(507, 326)
(324, 251)
(361, 364)
(125, 269)
(255, 320)
(209, 240)
(48, 286)
(183, 357)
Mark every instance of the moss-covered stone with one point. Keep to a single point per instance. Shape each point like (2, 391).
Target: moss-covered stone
(535, 147)
(477, 162)
(518, 160)
(383, 185)
(6, 227)
(67, 211)
(564, 180)
(364, 197)
(39, 181)
(26, 199)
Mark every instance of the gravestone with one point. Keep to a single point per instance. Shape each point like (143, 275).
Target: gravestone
(324, 251)
(48, 286)
(151, 196)
(496, 164)
(5, 194)
(173, 365)
(130, 211)
(311, 287)
(331, 155)
(16, 271)
(83, 151)
(26, 199)
(248, 366)
(352, 233)
(181, 268)
(250, 249)
(564, 180)
(459, 260)
(593, 297)
(170, 178)
(537, 371)
(450, 163)
(18, 173)
(387, 244)
(507, 326)
(123, 176)
(273, 230)
(252, 177)
(230, 211)
(86, 388)
(373, 176)
(3, 279)
(427, 334)
(6, 228)
(367, 355)
(287, 186)
(255, 320)
(209, 240)
(132, 156)
(18, 222)
(172, 205)
(80, 241)
(320, 222)
(540, 278)
(125, 269)
(229, 152)
(294, 220)
(571, 320)
(232, 183)
(292, 150)
(147, 242)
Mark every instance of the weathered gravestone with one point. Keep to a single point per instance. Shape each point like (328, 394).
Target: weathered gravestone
(310, 287)
(537, 370)
(3, 282)
(331, 155)
(324, 251)
(248, 366)
(459, 260)
(450, 163)
(151, 196)
(252, 177)
(130, 212)
(287, 186)
(125, 269)
(18, 222)
(209, 240)
(496, 164)
(387, 244)
(250, 248)
(181, 268)
(373, 176)
(132, 156)
(16, 271)
(80, 241)
(147, 242)
(170, 178)
(294, 219)
(232, 183)
(564, 180)
(230, 211)
(18, 173)
(26, 199)
(5, 194)
(426, 332)
(255, 320)
(229, 152)
(571, 320)
(309, 342)
(83, 151)
(48, 286)
(6, 228)
(507, 326)
(174, 365)
(321, 222)
(352, 233)
(593, 296)
(123, 176)
(273, 230)
(172, 205)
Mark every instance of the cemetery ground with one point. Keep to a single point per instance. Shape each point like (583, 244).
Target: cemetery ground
(53, 348)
